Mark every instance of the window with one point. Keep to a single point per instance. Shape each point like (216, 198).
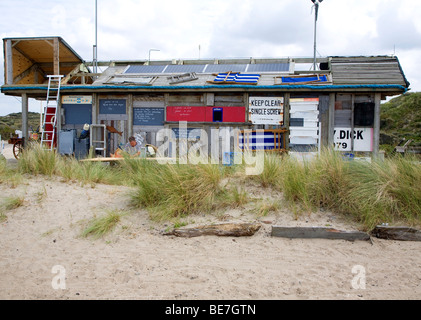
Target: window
(217, 115)
(364, 114)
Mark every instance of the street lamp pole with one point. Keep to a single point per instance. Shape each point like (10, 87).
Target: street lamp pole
(149, 60)
(316, 7)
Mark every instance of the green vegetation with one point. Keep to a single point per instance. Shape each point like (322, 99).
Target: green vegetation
(173, 191)
(401, 119)
(8, 204)
(99, 227)
(13, 121)
(370, 193)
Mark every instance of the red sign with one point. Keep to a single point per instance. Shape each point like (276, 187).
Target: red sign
(205, 114)
(191, 114)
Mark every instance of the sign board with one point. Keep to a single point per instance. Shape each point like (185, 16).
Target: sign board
(77, 113)
(266, 110)
(148, 116)
(112, 106)
(181, 113)
(77, 109)
(206, 114)
(188, 133)
(363, 139)
(76, 100)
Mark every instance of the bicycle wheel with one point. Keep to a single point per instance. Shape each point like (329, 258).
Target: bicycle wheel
(17, 149)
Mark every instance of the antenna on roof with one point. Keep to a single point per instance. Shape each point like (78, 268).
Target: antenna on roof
(316, 13)
(95, 54)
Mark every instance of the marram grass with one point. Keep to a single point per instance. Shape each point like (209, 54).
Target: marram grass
(99, 227)
(371, 193)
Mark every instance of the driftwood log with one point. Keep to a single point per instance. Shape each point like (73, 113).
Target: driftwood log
(396, 233)
(225, 229)
(318, 233)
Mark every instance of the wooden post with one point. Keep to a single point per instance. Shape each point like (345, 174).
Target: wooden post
(324, 120)
(129, 117)
(58, 121)
(331, 120)
(25, 134)
(56, 60)
(317, 233)
(95, 104)
(287, 97)
(9, 62)
(376, 131)
(352, 121)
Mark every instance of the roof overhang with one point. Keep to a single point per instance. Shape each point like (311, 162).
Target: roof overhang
(30, 60)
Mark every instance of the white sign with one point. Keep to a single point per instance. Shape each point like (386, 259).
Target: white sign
(266, 110)
(363, 139)
(76, 100)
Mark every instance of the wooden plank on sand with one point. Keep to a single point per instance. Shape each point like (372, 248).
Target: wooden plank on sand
(317, 232)
(225, 229)
(396, 233)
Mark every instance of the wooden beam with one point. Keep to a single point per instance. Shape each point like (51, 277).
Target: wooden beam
(25, 133)
(287, 109)
(324, 120)
(352, 120)
(25, 73)
(130, 116)
(8, 62)
(376, 130)
(56, 57)
(225, 229)
(317, 232)
(396, 233)
(71, 74)
(331, 119)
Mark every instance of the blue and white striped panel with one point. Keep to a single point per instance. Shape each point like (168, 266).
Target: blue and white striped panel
(237, 78)
(247, 78)
(223, 77)
(257, 141)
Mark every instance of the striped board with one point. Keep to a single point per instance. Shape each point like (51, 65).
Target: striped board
(304, 124)
(259, 141)
(236, 78)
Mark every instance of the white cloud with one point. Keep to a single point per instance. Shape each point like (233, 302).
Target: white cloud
(127, 29)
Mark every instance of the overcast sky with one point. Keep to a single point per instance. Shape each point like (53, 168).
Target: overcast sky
(127, 29)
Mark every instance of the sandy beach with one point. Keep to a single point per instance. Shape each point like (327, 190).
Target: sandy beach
(136, 261)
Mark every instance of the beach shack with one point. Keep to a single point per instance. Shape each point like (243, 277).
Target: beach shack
(295, 108)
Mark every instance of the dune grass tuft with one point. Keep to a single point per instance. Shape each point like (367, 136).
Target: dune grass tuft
(99, 227)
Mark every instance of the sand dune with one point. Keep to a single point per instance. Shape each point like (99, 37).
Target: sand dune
(136, 261)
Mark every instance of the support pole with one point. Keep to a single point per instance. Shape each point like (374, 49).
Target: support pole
(9, 62)
(25, 134)
(316, 6)
(331, 120)
(376, 131)
(56, 57)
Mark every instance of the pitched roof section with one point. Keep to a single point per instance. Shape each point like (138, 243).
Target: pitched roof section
(367, 70)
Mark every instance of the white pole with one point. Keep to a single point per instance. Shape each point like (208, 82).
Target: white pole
(95, 62)
(316, 6)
